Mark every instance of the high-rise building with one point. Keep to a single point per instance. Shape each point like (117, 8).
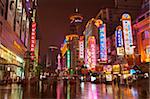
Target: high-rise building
(91, 30)
(76, 20)
(15, 18)
(70, 48)
(51, 59)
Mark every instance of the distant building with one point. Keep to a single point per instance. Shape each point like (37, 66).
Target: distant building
(51, 58)
(73, 46)
(76, 20)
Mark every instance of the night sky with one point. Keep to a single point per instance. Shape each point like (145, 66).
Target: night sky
(53, 18)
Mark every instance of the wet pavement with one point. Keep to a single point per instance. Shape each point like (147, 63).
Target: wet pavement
(75, 90)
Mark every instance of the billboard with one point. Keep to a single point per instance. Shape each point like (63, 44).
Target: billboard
(103, 47)
(127, 31)
(92, 51)
(119, 41)
(81, 47)
(33, 40)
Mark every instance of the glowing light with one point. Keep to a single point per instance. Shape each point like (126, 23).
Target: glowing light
(127, 30)
(103, 48)
(33, 39)
(59, 64)
(68, 59)
(119, 41)
(92, 51)
(81, 48)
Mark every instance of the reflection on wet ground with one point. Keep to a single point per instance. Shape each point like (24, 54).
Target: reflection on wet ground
(72, 90)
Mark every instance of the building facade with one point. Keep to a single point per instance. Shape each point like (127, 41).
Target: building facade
(51, 58)
(15, 18)
(141, 34)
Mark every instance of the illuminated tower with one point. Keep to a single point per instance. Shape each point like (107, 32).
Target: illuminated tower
(76, 20)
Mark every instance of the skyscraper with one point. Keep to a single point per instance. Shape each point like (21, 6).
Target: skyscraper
(76, 20)
(51, 59)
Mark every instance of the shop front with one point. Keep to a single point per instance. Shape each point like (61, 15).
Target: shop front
(125, 70)
(116, 69)
(108, 72)
(11, 65)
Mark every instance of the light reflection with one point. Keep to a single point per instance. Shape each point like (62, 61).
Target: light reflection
(92, 92)
(68, 90)
(134, 92)
(82, 86)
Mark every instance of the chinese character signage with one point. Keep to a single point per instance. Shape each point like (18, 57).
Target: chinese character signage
(92, 51)
(103, 48)
(127, 31)
(81, 47)
(119, 41)
(33, 40)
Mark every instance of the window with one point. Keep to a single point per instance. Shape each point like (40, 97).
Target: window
(148, 50)
(140, 19)
(143, 35)
(147, 34)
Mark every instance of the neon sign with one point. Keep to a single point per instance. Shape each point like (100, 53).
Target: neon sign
(33, 40)
(103, 48)
(119, 41)
(68, 59)
(127, 30)
(92, 51)
(81, 48)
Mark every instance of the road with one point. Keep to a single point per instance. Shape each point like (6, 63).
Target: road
(71, 90)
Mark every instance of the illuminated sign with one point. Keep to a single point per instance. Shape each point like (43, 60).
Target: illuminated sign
(33, 40)
(86, 57)
(10, 56)
(64, 49)
(17, 45)
(68, 59)
(81, 47)
(59, 63)
(116, 69)
(92, 49)
(119, 41)
(127, 30)
(103, 48)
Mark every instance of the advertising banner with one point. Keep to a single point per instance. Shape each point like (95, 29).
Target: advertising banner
(92, 49)
(119, 41)
(81, 47)
(127, 31)
(103, 47)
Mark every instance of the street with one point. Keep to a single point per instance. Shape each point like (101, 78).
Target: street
(74, 90)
